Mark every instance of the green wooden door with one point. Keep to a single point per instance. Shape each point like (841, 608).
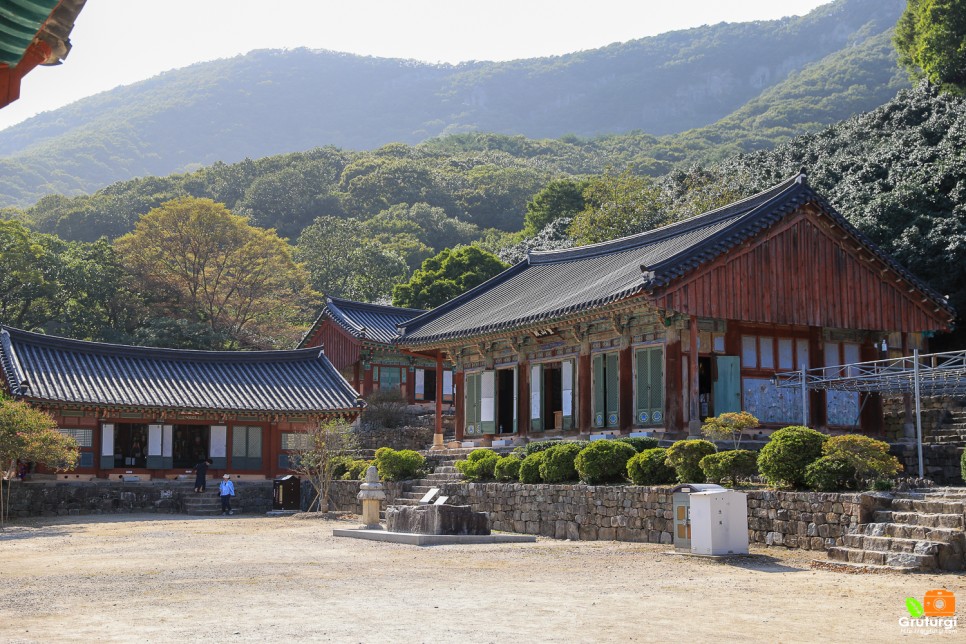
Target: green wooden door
(472, 403)
(650, 386)
(727, 385)
(536, 398)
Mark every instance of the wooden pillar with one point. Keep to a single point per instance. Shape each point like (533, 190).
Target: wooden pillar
(694, 402)
(625, 370)
(523, 396)
(673, 381)
(357, 376)
(585, 387)
(411, 384)
(871, 420)
(438, 436)
(367, 386)
(459, 400)
(908, 417)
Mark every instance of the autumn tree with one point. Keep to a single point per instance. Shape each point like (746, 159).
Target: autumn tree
(931, 40)
(199, 262)
(30, 436)
(318, 452)
(618, 205)
(448, 274)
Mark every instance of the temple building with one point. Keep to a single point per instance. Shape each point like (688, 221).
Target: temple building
(655, 332)
(359, 339)
(155, 413)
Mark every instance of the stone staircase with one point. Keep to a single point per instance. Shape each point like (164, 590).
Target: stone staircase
(914, 532)
(951, 432)
(206, 503)
(443, 472)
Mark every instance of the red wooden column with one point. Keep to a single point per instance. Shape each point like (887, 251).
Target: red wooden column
(625, 404)
(818, 410)
(673, 381)
(438, 436)
(908, 421)
(870, 403)
(694, 404)
(366, 380)
(585, 387)
(410, 384)
(459, 398)
(523, 397)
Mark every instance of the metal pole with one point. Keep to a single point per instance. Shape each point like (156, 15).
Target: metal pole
(915, 377)
(804, 399)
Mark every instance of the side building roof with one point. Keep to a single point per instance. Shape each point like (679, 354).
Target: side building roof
(48, 369)
(553, 284)
(361, 320)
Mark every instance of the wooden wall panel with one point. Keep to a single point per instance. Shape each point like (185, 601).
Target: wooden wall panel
(803, 272)
(341, 349)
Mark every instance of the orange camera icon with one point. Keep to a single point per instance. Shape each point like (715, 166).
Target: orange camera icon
(939, 603)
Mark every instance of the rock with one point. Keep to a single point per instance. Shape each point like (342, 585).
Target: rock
(436, 519)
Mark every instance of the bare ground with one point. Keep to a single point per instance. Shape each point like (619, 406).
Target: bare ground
(222, 579)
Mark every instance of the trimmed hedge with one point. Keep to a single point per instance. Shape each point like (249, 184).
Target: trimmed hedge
(557, 465)
(540, 446)
(604, 461)
(530, 468)
(830, 473)
(479, 465)
(685, 457)
(788, 452)
(399, 466)
(508, 468)
(640, 443)
(649, 468)
(732, 464)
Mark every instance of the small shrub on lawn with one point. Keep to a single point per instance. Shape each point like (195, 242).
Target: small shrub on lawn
(649, 468)
(730, 465)
(479, 465)
(557, 465)
(783, 459)
(604, 461)
(640, 443)
(530, 468)
(829, 473)
(508, 468)
(685, 456)
(399, 466)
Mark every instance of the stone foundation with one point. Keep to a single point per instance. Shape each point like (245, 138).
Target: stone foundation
(941, 463)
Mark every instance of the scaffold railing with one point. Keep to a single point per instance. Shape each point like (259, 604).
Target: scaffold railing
(939, 374)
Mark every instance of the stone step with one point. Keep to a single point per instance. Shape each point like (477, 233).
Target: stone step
(892, 544)
(879, 558)
(906, 531)
(917, 518)
(928, 506)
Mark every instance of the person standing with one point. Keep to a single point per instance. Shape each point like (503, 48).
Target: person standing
(227, 490)
(201, 473)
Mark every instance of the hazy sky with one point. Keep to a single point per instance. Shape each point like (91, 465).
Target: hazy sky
(117, 42)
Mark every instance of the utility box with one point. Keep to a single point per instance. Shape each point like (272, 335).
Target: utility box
(681, 504)
(287, 493)
(719, 519)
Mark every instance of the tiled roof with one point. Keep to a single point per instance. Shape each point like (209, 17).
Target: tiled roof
(552, 284)
(50, 369)
(374, 322)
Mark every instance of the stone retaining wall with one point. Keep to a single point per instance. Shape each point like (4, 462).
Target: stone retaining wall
(399, 438)
(807, 520)
(940, 462)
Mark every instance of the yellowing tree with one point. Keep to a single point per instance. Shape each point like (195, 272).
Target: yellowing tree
(199, 262)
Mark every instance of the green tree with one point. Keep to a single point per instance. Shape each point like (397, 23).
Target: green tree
(319, 451)
(30, 435)
(447, 275)
(728, 426)
(559, 198)
(24, 261)
(194, 258)
(931, 40)
(618, 205)
(344, 261)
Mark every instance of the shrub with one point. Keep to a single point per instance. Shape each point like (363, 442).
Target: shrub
(530, 468)
(604, 461)
(829, 473)
(340, 465)
(479, 465)
(685, 456)
(649, 468)
(640, 443)
(729, 426)
(540, 446)
(508, 468)
(557, 465)
(399, 466)
(385, 408)
(732, 465)
(788, 452)
(870, 458)
(882, 485)
(356, 470)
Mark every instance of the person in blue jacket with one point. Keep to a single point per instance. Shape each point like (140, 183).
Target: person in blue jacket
(227, 490)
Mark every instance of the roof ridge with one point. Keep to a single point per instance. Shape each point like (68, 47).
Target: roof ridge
(670, 230)
(373, 305)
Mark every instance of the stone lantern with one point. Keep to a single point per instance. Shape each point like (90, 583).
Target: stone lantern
(372, 495)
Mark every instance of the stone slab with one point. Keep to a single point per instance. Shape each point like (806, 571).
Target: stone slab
(431, 539)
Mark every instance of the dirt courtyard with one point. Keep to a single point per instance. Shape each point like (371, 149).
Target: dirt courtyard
(223, 579)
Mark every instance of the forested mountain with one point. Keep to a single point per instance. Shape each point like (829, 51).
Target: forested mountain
(766, 80)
